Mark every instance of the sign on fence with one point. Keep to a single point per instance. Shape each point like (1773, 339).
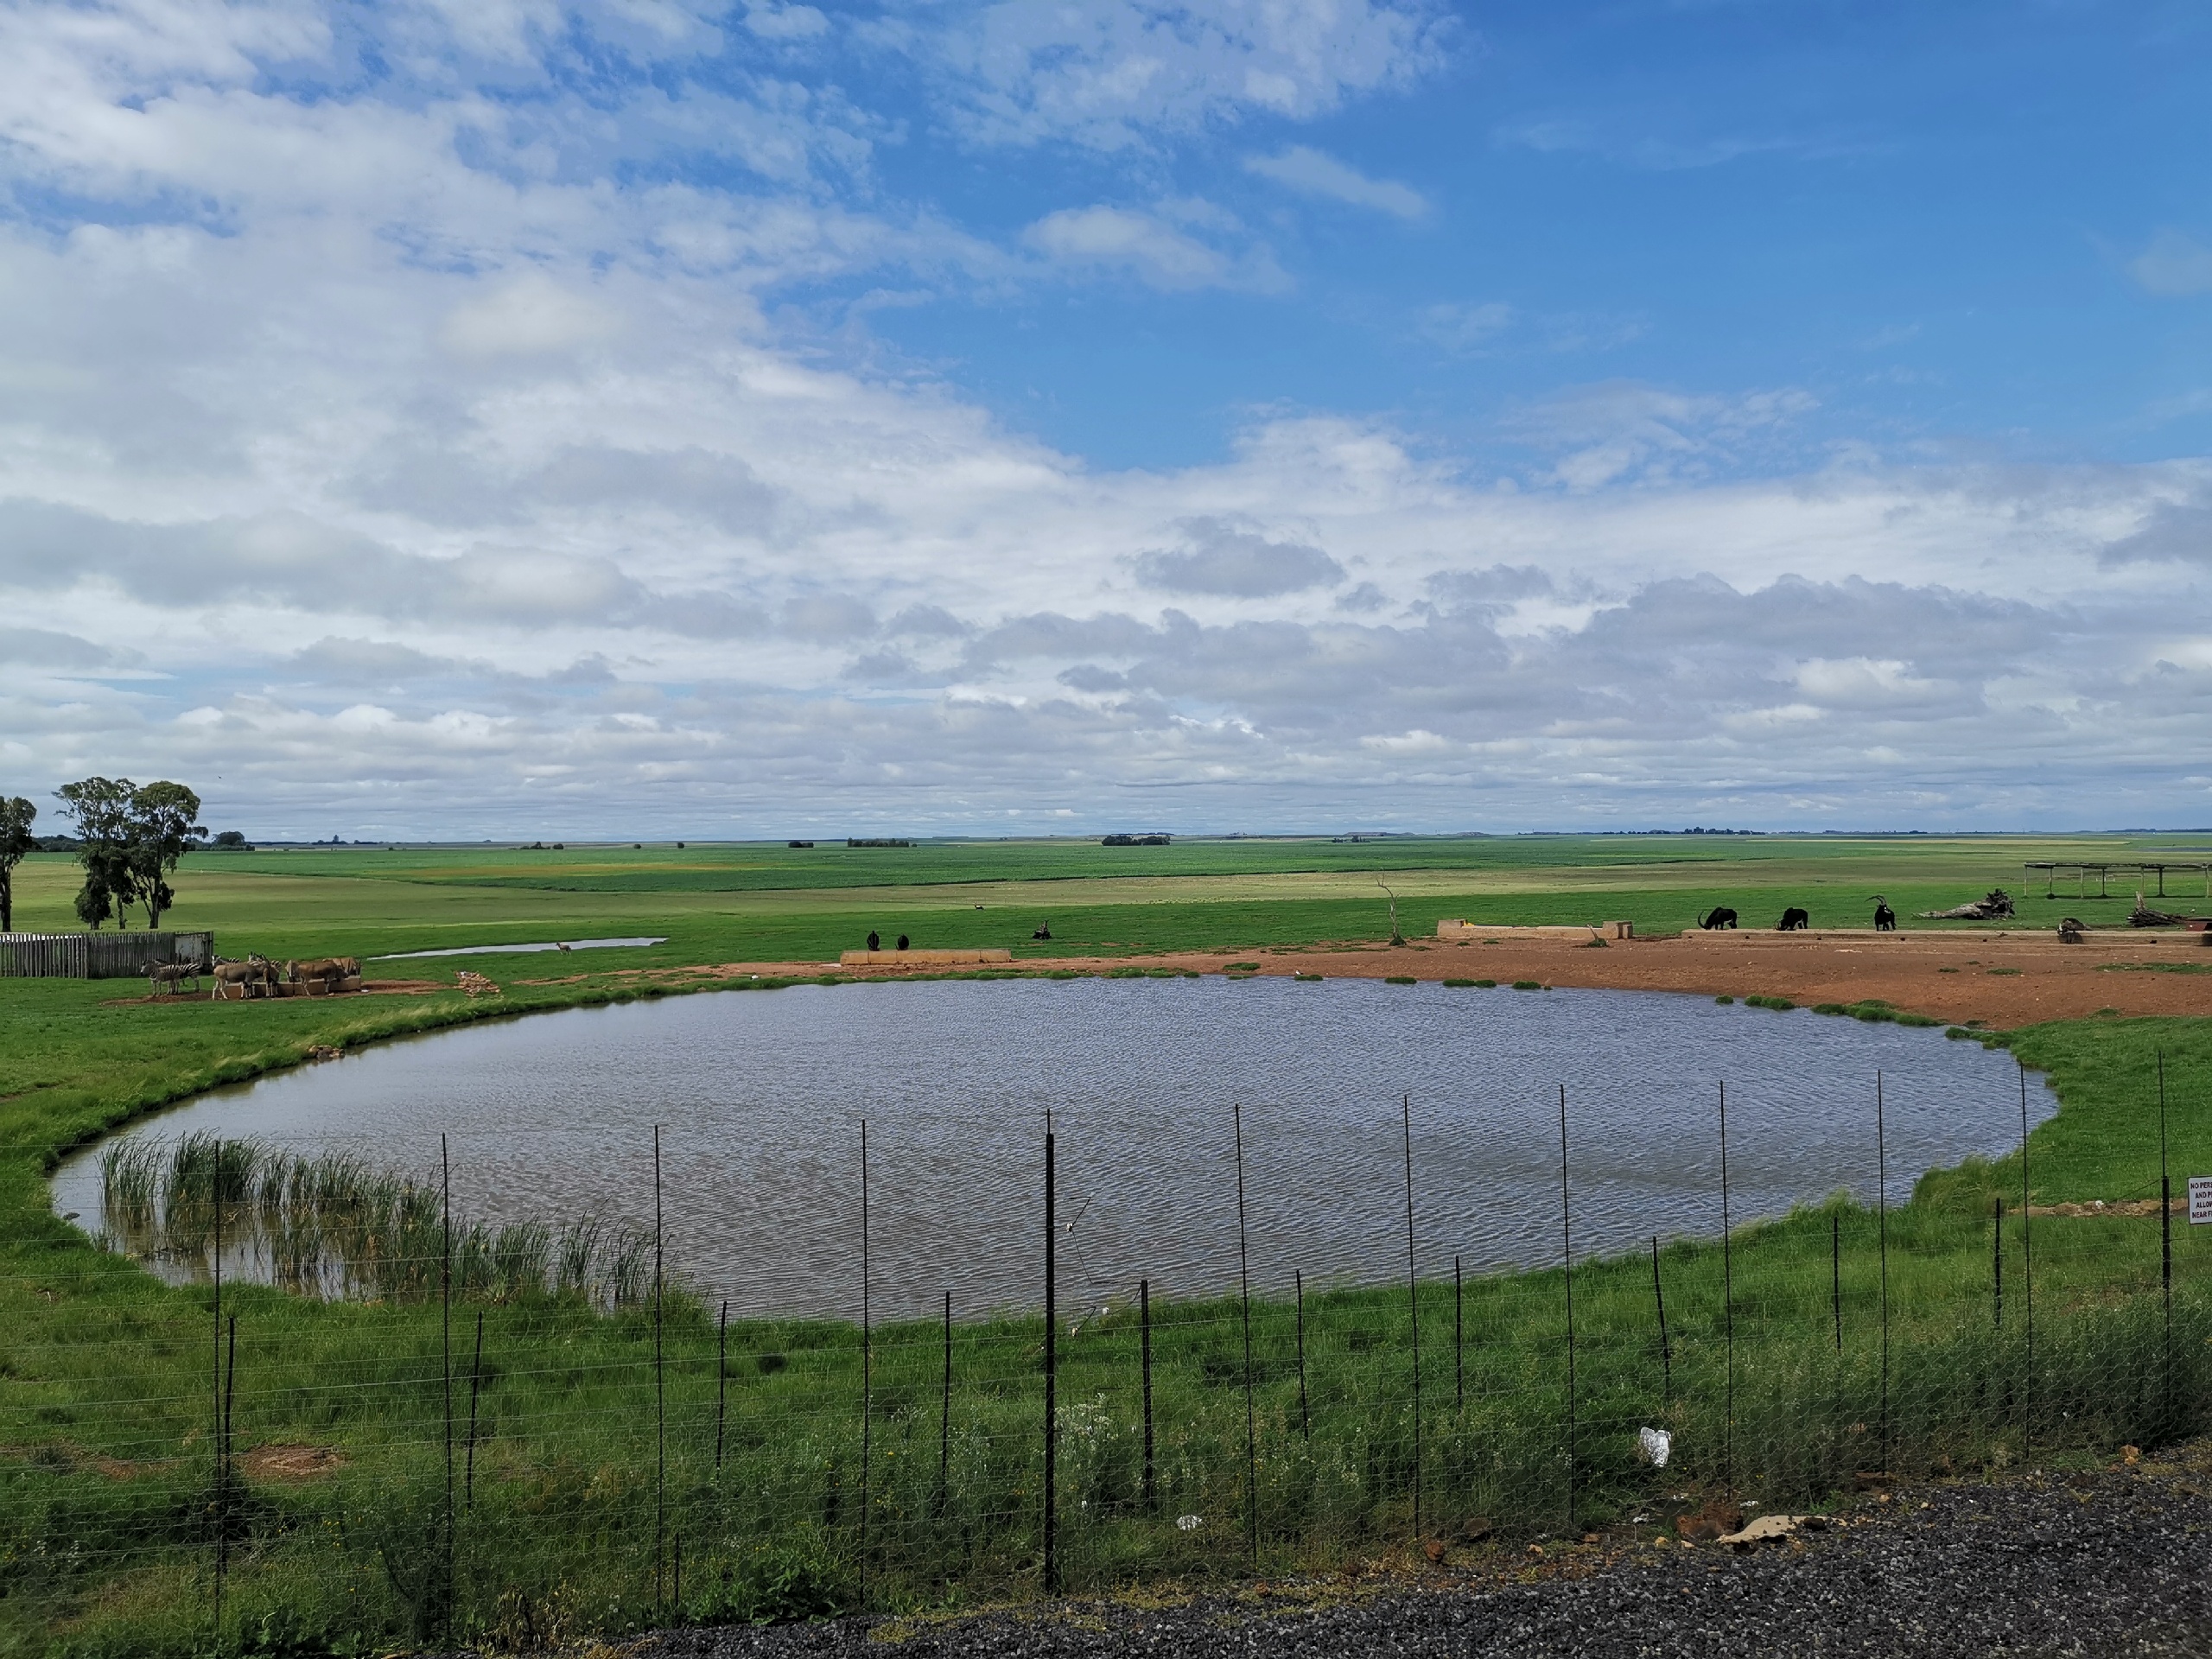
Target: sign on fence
(2200, 1199)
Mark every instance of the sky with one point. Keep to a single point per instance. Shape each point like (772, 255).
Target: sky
(465, 418)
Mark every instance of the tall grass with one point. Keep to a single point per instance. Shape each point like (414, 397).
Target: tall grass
(332, 1225)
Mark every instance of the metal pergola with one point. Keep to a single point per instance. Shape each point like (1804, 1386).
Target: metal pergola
(2053, 869)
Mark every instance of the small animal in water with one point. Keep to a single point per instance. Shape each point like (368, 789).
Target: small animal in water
(876, 941)
(1886, 919)
(1793, 919)
(1042, 933)
(902, 941)
(1721, 917)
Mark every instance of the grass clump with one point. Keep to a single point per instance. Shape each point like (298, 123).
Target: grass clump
(1400, 979)
(1526, 985)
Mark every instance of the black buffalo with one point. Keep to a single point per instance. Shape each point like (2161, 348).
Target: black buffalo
(1721, 917)
(1792, 920)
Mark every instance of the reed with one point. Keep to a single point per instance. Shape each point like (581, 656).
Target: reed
(334, 1226)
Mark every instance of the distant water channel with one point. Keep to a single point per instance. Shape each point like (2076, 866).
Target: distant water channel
(760, 1095)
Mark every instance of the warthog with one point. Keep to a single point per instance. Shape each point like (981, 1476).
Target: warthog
(1792, 920)
(1721, 917)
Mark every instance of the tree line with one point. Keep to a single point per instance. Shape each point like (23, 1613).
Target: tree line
(129, 838)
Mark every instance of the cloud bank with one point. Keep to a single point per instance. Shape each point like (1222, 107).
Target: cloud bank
(403, 431)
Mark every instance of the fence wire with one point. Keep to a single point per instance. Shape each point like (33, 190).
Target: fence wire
(464, 1435)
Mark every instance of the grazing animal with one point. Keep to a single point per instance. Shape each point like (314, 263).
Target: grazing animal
(876, 941)
(1793, 919)
(902, 941)
(558, 945)
(333, 971)
(247, 975)
(1042, 933)
(1886, 919)
(2069, 930)
(1721, 917)
(165, 978)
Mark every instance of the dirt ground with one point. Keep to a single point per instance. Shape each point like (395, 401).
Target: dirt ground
(1996, 980)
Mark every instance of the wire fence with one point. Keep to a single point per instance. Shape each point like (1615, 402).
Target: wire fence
(465, 1435)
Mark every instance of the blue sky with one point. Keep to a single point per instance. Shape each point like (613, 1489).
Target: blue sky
(514, 416)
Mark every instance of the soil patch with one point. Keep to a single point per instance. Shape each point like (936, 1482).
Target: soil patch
(1996, 981)
(291, 1462)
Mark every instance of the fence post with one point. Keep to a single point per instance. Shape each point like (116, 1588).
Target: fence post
(1727, 1298)
(445, 1295)
(1835, 1271)
(1244, 1292)
(215, 1387)
(475, 1385)
(1997, 1262)
(1666, 1352)
(2027, 1276)
(1144, 1341)
(2165, 1255)
(1051, 1387)
(1304, 1418)
(944, 1419)
(1413, 1301)
(660, 1388)
(867, 1364)
(1566, 1265)
(721, 1382)
(1882, 1212)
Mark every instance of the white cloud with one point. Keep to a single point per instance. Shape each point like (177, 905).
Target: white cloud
(1148, 247)
(389, 446)
(1464, 327)
(531, 315)
(1315, 174)
(2173, 265)
(1113, 73)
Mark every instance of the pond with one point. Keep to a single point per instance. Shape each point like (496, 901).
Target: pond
(759, 1097)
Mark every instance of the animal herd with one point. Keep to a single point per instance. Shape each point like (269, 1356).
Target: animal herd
(1797, 919)
(256, 976)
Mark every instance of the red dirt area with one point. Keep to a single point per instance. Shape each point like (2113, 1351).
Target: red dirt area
(1995, 979)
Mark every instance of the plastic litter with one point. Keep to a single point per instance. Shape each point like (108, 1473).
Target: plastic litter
(1654, 1445)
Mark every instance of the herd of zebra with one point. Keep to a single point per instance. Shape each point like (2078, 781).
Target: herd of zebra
(256, 976)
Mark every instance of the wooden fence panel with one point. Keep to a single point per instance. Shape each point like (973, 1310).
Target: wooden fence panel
(99, 956)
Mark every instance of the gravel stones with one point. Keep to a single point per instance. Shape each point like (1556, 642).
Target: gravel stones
(2103, 1562)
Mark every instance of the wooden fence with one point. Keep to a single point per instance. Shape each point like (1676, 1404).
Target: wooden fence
(99, 956)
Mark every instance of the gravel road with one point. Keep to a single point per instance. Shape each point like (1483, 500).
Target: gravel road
(2110, 1562)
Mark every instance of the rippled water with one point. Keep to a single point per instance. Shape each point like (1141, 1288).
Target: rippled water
(759, 1097)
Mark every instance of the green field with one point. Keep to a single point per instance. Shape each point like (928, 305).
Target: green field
(571, 1521)
(758, 902)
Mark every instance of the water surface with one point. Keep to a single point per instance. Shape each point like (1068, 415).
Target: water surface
(760, 1096)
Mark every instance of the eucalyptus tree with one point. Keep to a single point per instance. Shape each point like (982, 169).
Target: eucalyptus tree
(131, 839)
(16, 816)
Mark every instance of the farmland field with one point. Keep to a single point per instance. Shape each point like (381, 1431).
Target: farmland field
(111, 1497)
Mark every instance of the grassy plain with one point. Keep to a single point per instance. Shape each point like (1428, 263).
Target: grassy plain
(108, 1494)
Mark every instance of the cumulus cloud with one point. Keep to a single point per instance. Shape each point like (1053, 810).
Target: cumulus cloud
(395, 455)
(1315, 173)
(1218, 558)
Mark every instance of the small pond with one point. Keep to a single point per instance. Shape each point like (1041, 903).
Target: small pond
(759, 1097)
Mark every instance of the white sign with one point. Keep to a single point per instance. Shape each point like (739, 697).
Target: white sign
(2200, 1199)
